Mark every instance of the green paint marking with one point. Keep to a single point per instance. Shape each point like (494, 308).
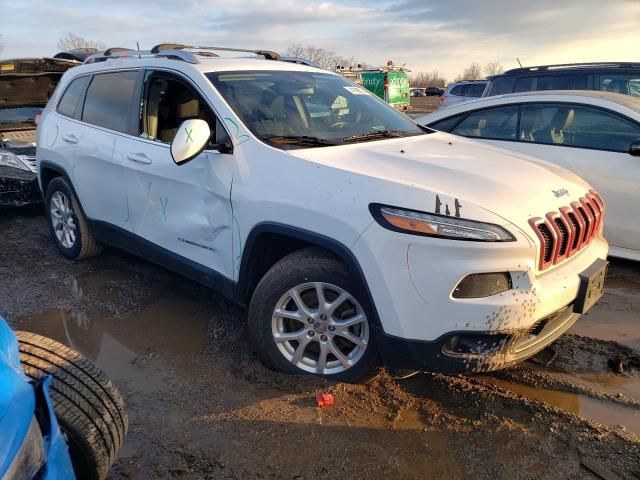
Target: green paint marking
(239, 138)
(188, 132)
(127, 203)
(239, 255)
(164, 208)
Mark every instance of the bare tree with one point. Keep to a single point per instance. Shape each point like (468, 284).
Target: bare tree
(427, 79)
(73, 41)
(472, 72)
(492, 68)
(325, 58)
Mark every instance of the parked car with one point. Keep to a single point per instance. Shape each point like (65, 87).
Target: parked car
(352, 234)
(616, 77)
(594, 134)
(459, 92)
(25, 87)
(434, 91)
(417, 92)
(60, 416)
(76, 54)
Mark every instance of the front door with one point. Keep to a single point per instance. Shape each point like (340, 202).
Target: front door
(184, 209)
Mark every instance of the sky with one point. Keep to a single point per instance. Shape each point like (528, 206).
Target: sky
(426, 35)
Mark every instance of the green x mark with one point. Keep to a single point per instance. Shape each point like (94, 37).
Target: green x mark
(189, 132)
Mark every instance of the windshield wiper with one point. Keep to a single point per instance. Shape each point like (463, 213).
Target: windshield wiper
(298, 140)
(375, 134)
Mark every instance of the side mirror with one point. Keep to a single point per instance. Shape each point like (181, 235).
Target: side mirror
(634, 149)
(190, 140)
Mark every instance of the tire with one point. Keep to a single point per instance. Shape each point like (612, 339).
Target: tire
(89, 408)
(64, 213)
(309, 272)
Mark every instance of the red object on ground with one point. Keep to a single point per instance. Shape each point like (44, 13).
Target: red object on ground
(324, 400)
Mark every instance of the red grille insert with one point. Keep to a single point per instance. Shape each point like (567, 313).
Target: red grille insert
(567, 231)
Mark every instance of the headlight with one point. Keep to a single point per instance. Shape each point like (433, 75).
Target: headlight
(433, 225)
(8, 159)
(30, 457)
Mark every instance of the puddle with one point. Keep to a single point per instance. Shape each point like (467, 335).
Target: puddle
(173, 328)
(581, 405)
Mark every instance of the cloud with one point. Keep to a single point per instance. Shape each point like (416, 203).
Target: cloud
(424, 34)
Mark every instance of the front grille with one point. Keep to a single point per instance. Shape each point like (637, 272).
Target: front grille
(568, 230)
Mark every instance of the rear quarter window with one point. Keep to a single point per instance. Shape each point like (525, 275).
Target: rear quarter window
(457, 90)
(446, 124)
(72, 97)
(501, 85)
(110, 97)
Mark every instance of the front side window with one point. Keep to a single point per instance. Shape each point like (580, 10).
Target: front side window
(576, 126)
(72, 98)
(109, 100)
(626, 84)
(169, 101)
(290, 109)
(499, 123)
(446, 124)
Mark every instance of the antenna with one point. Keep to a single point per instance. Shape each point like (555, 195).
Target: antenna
(138, 45)
(519, 62)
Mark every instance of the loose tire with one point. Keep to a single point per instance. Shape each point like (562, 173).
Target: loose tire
(89, 408)
(308, 314)
(67, 223)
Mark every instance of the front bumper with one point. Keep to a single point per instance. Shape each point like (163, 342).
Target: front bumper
(466, 351)
(18, 187)
(411, 280)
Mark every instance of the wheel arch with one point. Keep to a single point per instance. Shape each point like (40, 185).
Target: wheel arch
(47, 171)
(268, 242)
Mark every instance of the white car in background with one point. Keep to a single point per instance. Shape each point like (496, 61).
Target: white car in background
(592, 133)
(463, 91)
(352, 235)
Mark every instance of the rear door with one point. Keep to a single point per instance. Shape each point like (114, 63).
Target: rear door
(96, 171)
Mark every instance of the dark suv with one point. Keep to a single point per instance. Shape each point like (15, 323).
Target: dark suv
(611, 77)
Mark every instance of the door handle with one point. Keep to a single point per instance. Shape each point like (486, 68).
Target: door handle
(72, 139)
(139, 157)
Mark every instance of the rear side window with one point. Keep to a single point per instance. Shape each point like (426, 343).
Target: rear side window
(109, 99)
(457, 90)
(501, 85)
(72, 97)
(446, 124)
(559, 82)
(474, 90)
(499, 123)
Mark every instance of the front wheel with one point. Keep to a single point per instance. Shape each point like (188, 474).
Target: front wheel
(309, 315)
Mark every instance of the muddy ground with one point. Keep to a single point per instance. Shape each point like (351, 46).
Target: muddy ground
(202, 406)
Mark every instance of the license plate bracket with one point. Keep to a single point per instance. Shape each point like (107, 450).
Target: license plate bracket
(591, 286)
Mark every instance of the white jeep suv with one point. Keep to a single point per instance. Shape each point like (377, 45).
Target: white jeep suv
(353, 235)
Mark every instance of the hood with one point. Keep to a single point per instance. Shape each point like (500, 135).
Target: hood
(497, 180)
(30, 82)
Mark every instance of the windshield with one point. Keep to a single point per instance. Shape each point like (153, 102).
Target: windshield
(19, 115)
(290, 109)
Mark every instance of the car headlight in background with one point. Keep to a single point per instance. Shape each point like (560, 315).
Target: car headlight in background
(434, 225)
(30, 457)
(8, 159)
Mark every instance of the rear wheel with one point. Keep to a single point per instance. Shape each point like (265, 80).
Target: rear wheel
(68, 225)
(309, 315)
(89, 408)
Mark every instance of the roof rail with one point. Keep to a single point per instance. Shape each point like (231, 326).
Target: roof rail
(113, 50)
(268, 54)
(300, 61)
(574, 65)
